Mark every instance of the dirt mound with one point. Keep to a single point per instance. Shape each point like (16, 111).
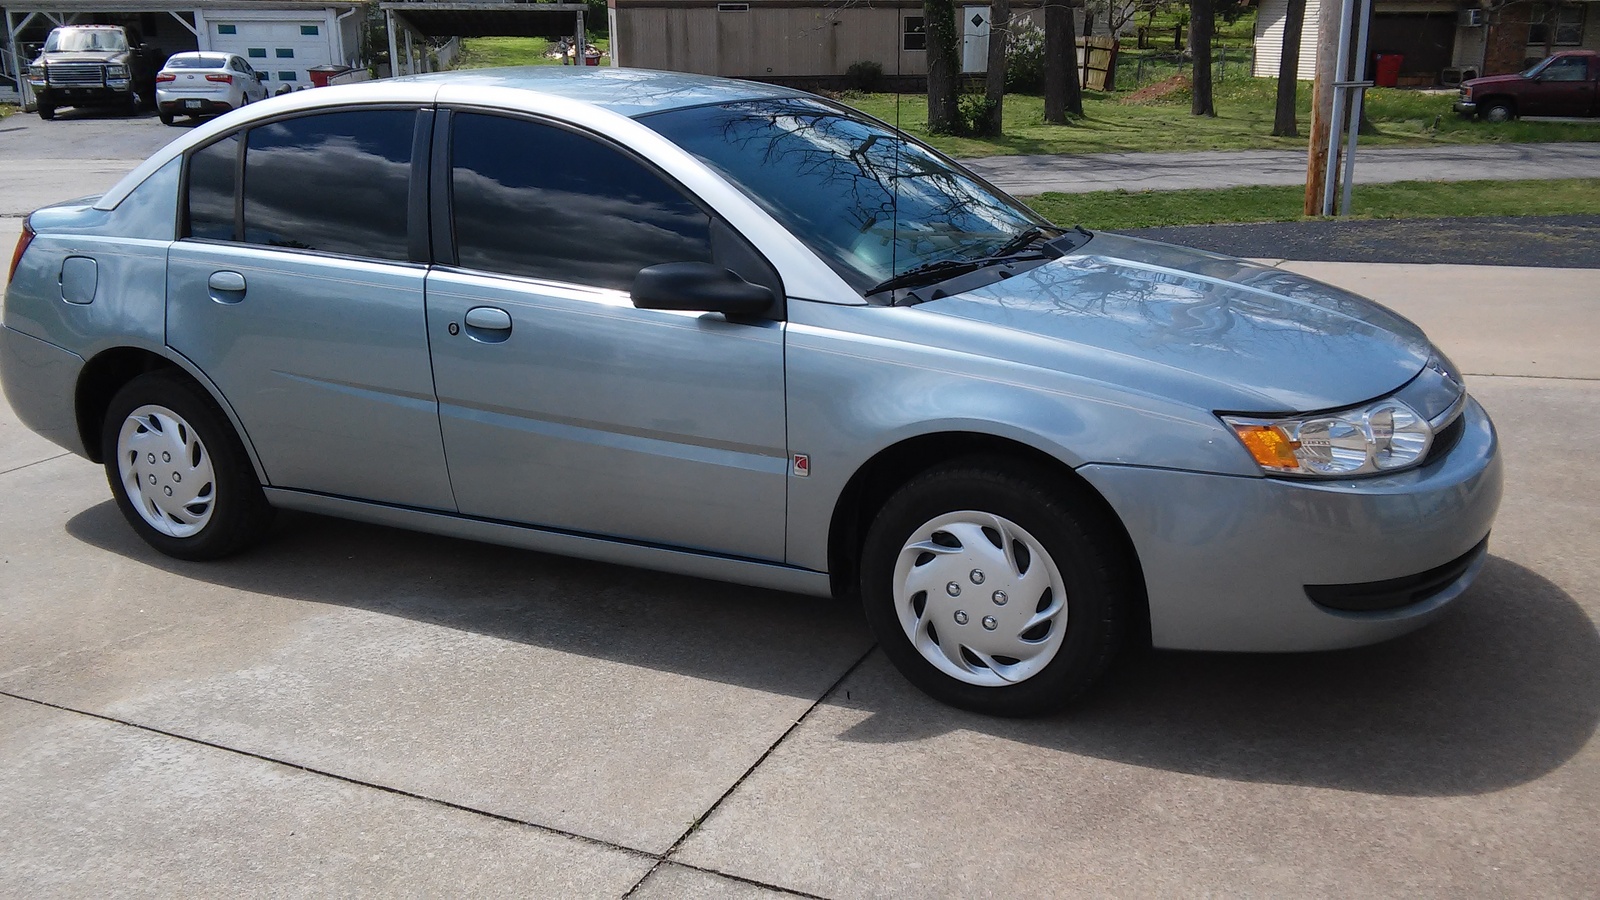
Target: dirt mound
(1160, 90)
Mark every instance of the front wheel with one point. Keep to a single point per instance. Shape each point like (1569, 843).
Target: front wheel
(178, 471)
(1499, 112)
(996, 587)
(47, 111)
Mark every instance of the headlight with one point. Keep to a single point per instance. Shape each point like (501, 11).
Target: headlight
(116, 71)
(1466, 92)
(1379, 437)
(36, 73)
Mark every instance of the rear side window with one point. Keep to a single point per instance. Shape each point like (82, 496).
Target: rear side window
(212, 180)
(543, 202)
(336, 183)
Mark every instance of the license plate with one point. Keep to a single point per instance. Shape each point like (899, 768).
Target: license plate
(191, 104)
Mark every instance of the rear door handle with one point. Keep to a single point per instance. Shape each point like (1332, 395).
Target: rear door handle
(226, 287)
(488, 324)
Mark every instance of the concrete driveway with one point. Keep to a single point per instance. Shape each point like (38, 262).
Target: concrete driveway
(352, 709)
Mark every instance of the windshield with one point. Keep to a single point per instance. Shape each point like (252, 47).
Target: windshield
(77, 39)
(1536, 67)
(871, 203)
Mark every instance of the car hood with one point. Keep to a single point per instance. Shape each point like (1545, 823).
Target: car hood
(1489, 80)
(72, 56)
(1220, 333)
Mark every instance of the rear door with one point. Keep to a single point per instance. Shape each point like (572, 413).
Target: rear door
(298, 289)
(563, 405)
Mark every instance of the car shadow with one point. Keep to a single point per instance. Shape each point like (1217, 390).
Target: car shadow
(1500, 692)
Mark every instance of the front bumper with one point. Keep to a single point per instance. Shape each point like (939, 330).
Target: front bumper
(1228, 560)
(84, 96)
(1467, 108)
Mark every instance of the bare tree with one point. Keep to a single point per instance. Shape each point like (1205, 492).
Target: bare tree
(999, 42)
(1294, 22)
(1201, 25)
(1063, 94)
(944, 65)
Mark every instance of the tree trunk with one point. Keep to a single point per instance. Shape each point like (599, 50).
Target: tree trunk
(944, 67)
(1294, 23)
(1062, 93)
(999, 43)
(1201, 24)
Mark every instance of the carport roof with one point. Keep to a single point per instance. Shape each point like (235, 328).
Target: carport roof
(113, 6)
(483, 18)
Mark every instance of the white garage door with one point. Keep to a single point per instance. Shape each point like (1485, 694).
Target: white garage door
(280, 49)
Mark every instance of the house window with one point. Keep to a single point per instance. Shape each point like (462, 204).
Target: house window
(1557, 26)
(257, 52)
(285, 52)
(311, 30)
(916, 34)
(227, 29)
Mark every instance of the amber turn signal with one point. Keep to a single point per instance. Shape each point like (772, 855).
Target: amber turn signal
(1271, 447)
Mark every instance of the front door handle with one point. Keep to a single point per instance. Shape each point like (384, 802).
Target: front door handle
(488, 324)
(226, 287)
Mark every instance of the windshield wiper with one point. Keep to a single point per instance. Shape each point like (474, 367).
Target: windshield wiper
(946, 268)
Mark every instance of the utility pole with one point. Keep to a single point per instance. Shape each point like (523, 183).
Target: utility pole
(1329, 23)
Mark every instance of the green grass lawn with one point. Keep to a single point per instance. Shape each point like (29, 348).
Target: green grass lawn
(1404, 118)
(1403, 200)
(488, 52)
(6, 109)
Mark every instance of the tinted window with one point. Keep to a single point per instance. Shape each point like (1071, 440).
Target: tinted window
(211, 182)
(196, 62)
(544, 202)
(336, 182)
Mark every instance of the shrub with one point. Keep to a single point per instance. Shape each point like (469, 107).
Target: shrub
(1025, 59)
(864, 75)
(972, 116)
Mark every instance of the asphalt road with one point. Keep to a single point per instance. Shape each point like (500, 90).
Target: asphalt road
(1548, 241)
(357, 710)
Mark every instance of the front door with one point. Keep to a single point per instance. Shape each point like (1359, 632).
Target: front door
(562, 405)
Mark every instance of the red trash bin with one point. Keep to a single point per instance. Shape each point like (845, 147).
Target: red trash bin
(1388, 69)
(321, 74)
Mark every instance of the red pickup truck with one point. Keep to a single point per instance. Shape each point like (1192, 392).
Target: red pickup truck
(1564, 84)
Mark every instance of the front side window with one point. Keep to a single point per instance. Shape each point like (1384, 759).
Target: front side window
(335, 182)
(213, 178)
(870, 202)
(539, 201)
(1567, 68)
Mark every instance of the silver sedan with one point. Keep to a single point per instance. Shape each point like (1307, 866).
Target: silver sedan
(205, 84)
(737, 331)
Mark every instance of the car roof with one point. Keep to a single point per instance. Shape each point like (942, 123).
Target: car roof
(630, 92)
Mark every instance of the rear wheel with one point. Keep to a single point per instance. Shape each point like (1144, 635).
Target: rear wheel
(179, 472)
(995, 588)
(166, 117)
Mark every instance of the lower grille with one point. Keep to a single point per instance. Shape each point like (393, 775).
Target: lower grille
(1375, 596)
(76, 74)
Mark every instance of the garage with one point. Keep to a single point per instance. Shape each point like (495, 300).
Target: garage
(282, 38)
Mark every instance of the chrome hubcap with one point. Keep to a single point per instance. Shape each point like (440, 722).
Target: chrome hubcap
(166, 471)
(1023, 616)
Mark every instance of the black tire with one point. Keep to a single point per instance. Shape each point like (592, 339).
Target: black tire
(166, 117)
(1499, 111)
(238, 511)
(47, 111)
(1094, 570)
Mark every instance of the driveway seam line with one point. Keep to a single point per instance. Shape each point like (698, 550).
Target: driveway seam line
(699, 820)
(1535, 377)
(36, 462)
(633, 851)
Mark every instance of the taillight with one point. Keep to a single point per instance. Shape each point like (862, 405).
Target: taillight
(165, 77)
(225, 79)
(23, 241)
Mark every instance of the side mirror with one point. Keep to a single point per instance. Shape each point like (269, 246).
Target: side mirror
(701, 287)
